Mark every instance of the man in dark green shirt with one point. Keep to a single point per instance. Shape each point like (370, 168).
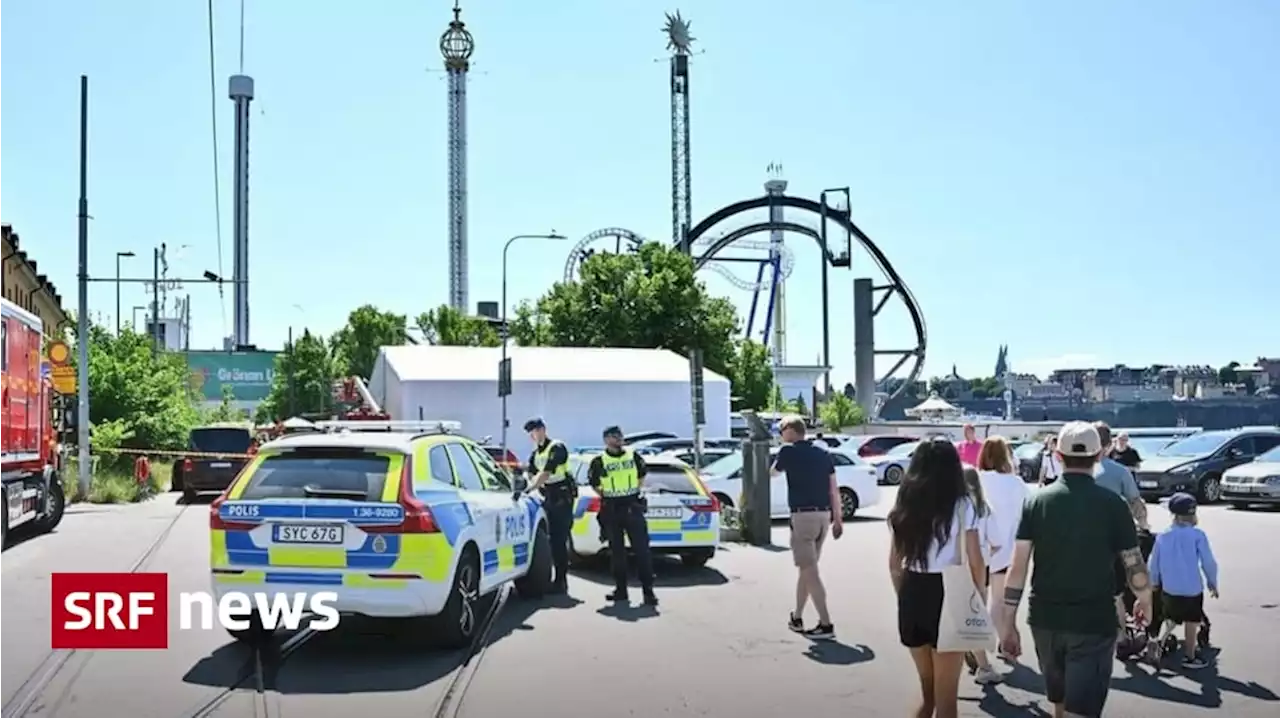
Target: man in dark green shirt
(1076, 530)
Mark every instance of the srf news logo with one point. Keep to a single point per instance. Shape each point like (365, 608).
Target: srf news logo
(131, 610)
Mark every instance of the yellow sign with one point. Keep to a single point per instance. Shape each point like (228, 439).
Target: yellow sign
(59, 353)
(64, 379)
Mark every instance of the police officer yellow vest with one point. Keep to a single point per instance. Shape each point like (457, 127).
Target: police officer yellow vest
(540, 459)
(619, 475)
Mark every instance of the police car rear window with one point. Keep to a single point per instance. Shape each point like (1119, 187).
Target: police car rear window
(327, 474)
(669, 478)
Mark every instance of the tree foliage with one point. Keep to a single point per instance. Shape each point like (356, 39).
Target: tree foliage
(303, 381)
(649, 299)
(149, 394)
(751, 374)
(368, 329)
(446, 326)
(840, 412)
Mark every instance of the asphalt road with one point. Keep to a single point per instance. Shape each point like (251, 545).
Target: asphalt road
(717, 645)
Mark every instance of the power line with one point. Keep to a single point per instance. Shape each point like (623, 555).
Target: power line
(213, 114)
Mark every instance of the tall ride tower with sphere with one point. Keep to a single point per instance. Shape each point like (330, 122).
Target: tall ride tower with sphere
(678, 42)
(456, 45)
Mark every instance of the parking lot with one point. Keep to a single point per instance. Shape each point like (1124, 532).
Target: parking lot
(718, 644)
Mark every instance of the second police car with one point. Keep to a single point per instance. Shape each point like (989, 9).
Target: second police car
(683, 517)
(399, 524)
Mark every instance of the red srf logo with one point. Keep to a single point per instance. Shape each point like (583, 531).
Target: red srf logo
(110, 610)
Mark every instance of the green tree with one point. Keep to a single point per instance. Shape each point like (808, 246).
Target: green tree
(148, 393)
(446, 326)
(648, 299)
(1228, 373)
(751, 375)
(368, 329)
(303, 381)
(779, 404)
(841, 412)
(225, 411)
(802, 408)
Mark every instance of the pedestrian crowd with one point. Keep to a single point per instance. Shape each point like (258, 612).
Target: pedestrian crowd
(970, 538)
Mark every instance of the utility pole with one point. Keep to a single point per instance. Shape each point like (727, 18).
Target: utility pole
(82, 312)
(289, 377)
(155, 301)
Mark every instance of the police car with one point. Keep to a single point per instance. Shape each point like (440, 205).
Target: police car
(683, 517)
(406, 521)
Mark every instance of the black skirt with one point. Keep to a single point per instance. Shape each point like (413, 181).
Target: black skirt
(919, 609)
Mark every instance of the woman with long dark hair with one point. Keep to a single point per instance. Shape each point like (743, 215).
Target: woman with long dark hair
(932, 521)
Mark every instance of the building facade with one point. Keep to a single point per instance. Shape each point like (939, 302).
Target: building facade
(25, 286)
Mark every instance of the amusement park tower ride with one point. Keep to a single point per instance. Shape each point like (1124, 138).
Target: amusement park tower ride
(241, 92)
(456, 45)
(776, 187)
(678, 42)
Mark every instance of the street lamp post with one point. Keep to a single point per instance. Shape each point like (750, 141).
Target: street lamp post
(119, 256)
(505, 335)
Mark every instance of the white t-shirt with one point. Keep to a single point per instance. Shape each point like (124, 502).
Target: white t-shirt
(941, 556)
(1005, 493)
(1050, 467)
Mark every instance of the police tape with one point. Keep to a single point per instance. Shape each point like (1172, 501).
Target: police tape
(174, 454)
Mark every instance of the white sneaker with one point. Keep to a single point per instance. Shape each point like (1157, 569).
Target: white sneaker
(987, 676)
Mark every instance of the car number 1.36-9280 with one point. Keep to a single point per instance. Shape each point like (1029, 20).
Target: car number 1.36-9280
(308, 533)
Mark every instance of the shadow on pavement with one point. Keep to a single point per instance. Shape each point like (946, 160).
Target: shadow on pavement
(668, 573)
(1145, 680)
(362, 655)
(628, 612)
(197, 500)
(835, 653)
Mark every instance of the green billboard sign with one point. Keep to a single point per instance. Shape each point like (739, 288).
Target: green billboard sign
(248, 375)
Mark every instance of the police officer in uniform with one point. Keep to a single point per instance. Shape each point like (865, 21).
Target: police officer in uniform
(618, 476)
(549, 464)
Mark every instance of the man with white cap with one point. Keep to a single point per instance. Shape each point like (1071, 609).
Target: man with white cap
(1076, 529)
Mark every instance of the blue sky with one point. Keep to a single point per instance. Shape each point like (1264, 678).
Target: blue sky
(1088, 182)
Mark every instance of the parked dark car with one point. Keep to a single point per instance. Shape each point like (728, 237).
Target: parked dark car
(646, 436)
(220, 452)
(506, 459)
(877, 445)
(679, 444)
(1027, 460)
(1195, 464)
(709, 455)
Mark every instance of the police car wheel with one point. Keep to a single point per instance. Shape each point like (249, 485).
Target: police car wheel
(537, 582)
(254, 634)
(697, 558)
(458, 623)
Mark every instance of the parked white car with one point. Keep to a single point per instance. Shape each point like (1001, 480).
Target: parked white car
(855, 478)
(683, 517)
(891, 466)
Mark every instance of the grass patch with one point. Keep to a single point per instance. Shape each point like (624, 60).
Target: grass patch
(114, 486)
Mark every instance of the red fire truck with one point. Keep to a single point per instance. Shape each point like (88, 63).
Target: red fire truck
(31, 464)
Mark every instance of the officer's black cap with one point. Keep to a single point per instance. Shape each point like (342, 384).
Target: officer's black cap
(534, 423)
(613, 431)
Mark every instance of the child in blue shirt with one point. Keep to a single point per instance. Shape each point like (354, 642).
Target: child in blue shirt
(1179, 557)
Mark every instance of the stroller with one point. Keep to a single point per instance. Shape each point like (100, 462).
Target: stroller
(1147, 640)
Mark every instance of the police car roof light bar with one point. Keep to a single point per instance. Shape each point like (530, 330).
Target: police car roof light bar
(435, 426)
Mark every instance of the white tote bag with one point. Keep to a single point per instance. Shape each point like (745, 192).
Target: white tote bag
(966, 623)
